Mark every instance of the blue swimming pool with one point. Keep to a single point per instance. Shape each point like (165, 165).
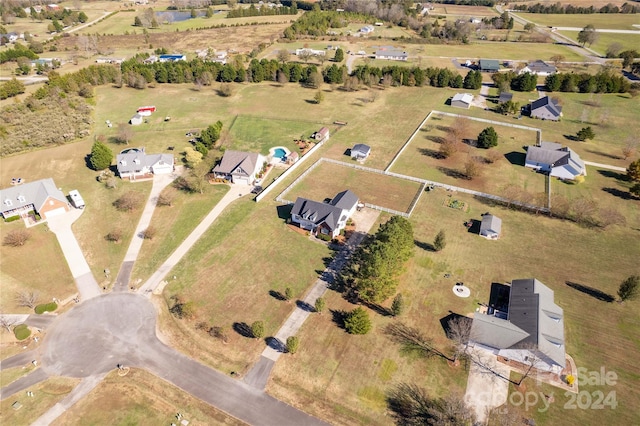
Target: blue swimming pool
(279, 153)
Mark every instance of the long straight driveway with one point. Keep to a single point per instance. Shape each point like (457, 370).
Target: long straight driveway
(235, 192)
(85, 281)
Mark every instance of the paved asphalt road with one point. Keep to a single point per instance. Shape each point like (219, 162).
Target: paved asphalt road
(119, 328)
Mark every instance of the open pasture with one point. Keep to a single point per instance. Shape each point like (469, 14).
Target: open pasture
(327, 179)
(614, 21)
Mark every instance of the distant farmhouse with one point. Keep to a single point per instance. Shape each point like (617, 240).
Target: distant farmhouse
(325, 218)
(239, 167)
(546, 109)
(366, 30)
(391, 53)
(172, 58)
(539, 68)
(41, 196)
(529, 328)
(558, 161)
(313, 52)
(134, 163)
(462, 100)
(489, 65)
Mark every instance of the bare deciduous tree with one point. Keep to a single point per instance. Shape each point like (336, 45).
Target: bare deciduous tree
(16, 238)
(412, 340)
(6, 323)
(458, 330)
(125, 133)
(130, 200)
(411, 405)
(27, 298)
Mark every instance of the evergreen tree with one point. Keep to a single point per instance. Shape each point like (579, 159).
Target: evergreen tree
(585, 133)
(630, 288)
(339, 56)
(633, 171)
(397, 307)
(357, 321)
(440, 241)
(101, 156)
(257, 329)
(293, 343)
(488, 138)
(320, 305)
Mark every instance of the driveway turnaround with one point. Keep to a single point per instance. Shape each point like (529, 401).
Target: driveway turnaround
(119, 328)
(85, 281)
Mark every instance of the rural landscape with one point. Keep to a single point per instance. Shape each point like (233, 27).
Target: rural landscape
(339, 212)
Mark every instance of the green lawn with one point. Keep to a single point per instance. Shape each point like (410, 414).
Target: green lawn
(615, 21)
(256, 134)
(174, 223)
(229, 273)
(503, 51)
(342, 374)
(628, 41)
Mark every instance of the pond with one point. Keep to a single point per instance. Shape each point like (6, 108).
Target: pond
(176, 15)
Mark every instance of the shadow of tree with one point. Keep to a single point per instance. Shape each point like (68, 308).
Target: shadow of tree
(284, 211)
(338, 317)
(305, 306)
(380, 310)
(445, 322)
(456, 174)
(275, 344)
(424, 246)
(614, 175)
(430, 153)
(277, 295)
(243, 329)
(618, 193)
(436, 139)
(593, 292)
(603, 154)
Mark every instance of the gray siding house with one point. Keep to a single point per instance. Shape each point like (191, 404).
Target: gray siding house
(558, 161)
(324, 218)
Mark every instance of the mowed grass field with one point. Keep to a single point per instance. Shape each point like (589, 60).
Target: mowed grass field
(348, 376)
(173, 224)
(45, 395)
(503, 51)
(229, 274)
(142, 399)
(627, 41)
(46, 273)
(421, 158)
(327, 179)
(67, 166)
(617, 21)
(256, 134)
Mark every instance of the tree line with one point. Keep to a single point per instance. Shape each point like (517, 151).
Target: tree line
(602, 82)
(570, 9)
(18, 51)
(263, 10)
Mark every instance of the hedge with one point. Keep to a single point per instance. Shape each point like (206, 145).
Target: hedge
(21, 331)
(46, 307)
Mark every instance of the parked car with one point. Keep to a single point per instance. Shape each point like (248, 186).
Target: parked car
(76, 199)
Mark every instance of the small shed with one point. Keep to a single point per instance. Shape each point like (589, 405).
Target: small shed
(462, 100)
(322, 134)
(491, 226)
(136, 120)
(292, 157)
(360, 151)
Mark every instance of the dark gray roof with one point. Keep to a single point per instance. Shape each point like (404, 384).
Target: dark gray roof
(495, 332)
(548, 103)
(317, 212)
(361, 148)
(531, 308)
(491, 223)
(541, 66)
(505, 97)
(35, 193)
(489, 64)
(329, 213)
(237, 163)
(536, 154)
(345, 200)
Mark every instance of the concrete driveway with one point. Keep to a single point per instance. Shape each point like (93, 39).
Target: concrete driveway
(85, 281)
(487, 385)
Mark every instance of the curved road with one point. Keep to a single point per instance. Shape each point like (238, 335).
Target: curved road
(119, 328)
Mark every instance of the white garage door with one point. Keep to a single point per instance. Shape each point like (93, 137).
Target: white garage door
(55, 212)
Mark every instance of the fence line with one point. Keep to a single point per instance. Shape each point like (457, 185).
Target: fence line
(384, 209)
(395, 157)
(288, 172)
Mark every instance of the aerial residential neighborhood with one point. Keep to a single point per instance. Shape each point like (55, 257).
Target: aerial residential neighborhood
(319, 212)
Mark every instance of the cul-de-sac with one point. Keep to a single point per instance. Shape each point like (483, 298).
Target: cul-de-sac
(319, 212)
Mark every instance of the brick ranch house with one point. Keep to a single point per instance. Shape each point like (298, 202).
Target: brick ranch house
(41, 196)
